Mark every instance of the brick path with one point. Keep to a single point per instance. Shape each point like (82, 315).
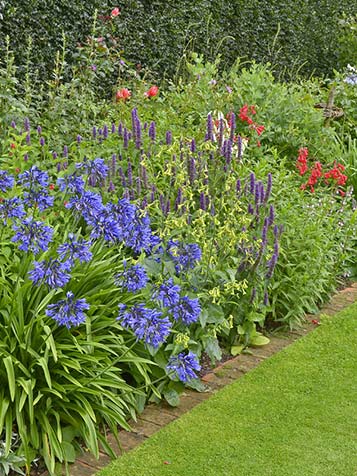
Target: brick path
(156, 416)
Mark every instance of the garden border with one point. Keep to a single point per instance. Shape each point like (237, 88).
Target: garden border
(154, 417)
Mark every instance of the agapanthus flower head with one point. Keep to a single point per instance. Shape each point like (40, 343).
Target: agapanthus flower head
(51, 272)
(68, 312)
(104, 224)
(33, 178)
(185, 256)
(96, 169)
(187, 310)
(147, 324)
(89, 204)
(38, 199)
(75, 248)
(132, 279)
(32, 235)
(183, 366)
(168, 293)
(7, 181)
(11, 208)
(71, 183)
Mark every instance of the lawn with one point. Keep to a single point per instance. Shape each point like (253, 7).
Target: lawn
(295, 415)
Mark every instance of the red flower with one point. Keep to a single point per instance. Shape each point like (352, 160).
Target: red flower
(115, 12)
(122, 94)
(51, 186)
(316, 322)
(12, 146)
(259, 129)
(153, 91)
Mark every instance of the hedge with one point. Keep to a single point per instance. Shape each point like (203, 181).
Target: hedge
(293, 35)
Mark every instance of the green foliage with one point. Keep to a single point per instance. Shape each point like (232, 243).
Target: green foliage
(155, 36)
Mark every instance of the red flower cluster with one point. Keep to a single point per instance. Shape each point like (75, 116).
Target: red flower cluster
(152, 92)
(301, 163)
(245, 114)
(115, 12)
(333, 177)
(122, 94)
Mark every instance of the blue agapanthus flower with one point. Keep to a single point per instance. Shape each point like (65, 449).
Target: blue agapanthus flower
(168, 293)
(75, 248)
(7, 181)
(68, 312)
(147, 324)
(33, 178)
(51, 272)
(71, 183)
(185, 256)
(96, 170)
(132, 279)
(11, 208)
(32, 235)
(104, 224)
(134, 227)
(183, 366)
(38, 199)
(89, 204)
(187, 310)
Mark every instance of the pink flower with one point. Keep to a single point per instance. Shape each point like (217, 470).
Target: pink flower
(115, 12)
(122, 94)
(153, 91)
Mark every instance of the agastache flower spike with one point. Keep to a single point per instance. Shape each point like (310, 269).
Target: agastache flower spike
(168, 138)
(193, 147)
(152, 131)
(269, 187)
(126, 138)
(105, 131)
(209, 134)
(113, 128)
(252, 182)
(94, 132)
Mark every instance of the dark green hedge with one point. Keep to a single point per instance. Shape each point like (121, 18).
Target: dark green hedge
(290, 34)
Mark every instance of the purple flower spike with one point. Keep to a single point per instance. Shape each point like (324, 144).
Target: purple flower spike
(105, 131)
(94, 132)
(152, 131)
(209, 134)
(168, 137)
(65, 151)
(252, 182)
(193, 147)
(114, 128)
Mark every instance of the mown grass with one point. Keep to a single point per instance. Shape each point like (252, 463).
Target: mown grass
(295, 415)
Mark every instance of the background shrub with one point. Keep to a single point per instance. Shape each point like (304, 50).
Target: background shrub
(155, 35)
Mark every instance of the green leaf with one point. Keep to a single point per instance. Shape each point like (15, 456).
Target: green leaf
(172, 397)
(259, 340)
(10, 376)
(237, 349)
